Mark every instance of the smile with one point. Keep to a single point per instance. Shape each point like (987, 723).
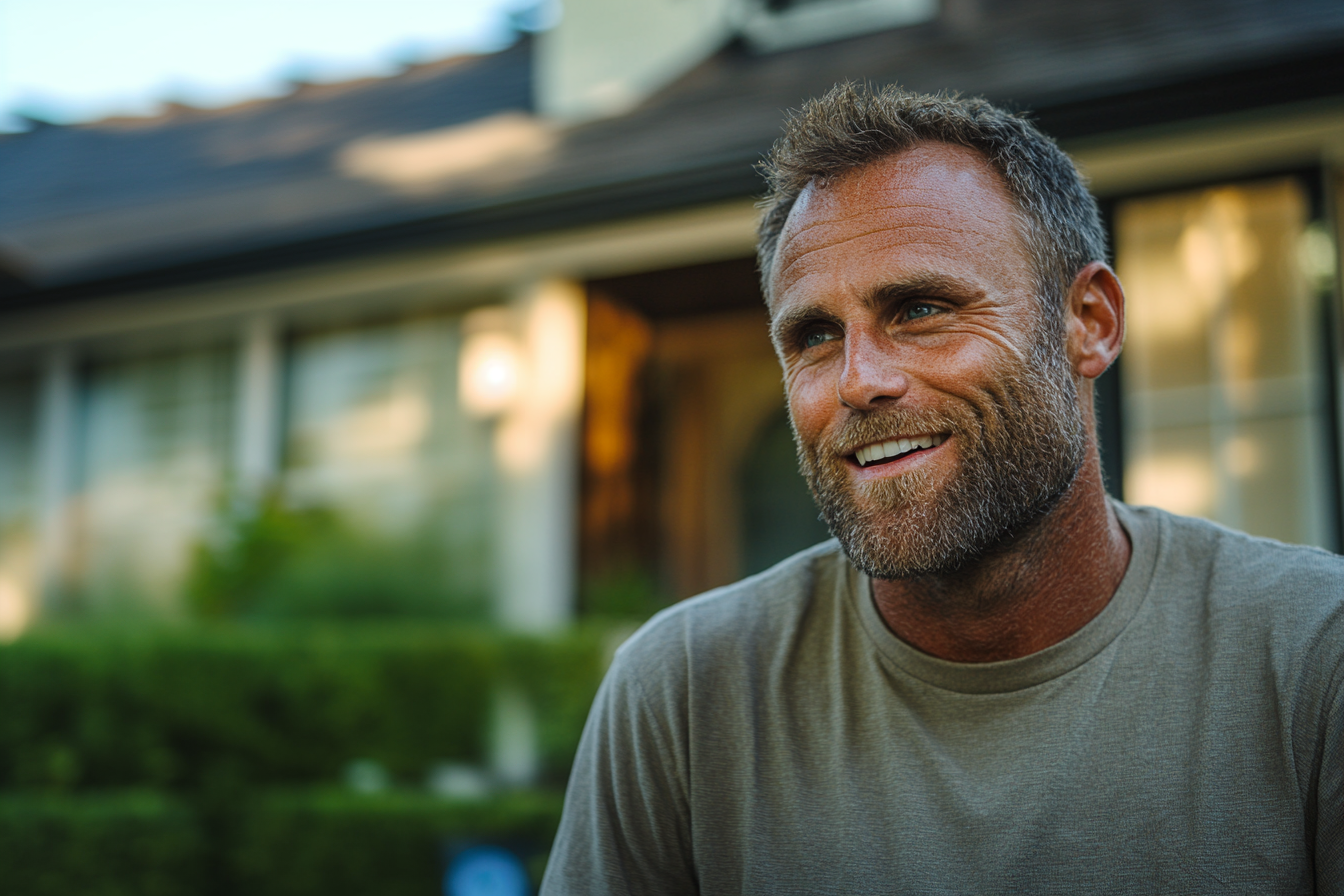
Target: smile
(879, 452)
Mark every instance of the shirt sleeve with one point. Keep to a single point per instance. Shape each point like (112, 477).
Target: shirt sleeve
(625, 827)
(1329, 802)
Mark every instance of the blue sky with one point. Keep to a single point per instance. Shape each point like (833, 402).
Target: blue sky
(76, 60)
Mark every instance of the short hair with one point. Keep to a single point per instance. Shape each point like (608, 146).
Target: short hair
(854, 125)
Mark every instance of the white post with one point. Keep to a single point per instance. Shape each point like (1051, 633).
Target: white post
(56, 424)
(256, 446)
(536, 446)
(514, 759)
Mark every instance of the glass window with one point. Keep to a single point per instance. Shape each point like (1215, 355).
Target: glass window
(1223, 371)
(155, 448)
(375, 430)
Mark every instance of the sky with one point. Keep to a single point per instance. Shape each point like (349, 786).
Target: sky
(77, 60)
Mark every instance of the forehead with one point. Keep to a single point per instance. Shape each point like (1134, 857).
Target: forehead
(933, 209)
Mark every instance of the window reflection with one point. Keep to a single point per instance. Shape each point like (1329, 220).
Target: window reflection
(1223, 376)
(156, 435)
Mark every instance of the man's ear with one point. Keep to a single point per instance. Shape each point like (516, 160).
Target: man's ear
(1095, 321)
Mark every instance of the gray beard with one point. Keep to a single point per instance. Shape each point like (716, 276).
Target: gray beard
(1021, 444)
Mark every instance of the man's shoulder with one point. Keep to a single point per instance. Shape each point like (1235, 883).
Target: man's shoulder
(738, 621)
(1291, 593)
(1243, 567)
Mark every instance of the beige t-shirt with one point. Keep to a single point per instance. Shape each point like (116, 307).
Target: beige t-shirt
(775, 737)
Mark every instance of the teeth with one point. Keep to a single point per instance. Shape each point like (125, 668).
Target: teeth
(894, 448)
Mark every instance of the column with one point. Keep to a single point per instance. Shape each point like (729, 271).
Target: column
(257, 436)
(536, 447)
(56, 452)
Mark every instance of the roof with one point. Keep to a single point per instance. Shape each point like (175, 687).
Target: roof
(404, 160)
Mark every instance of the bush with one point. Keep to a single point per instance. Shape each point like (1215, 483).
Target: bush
(288, 844)
(272, 562)
(108, 845)
(390, 844)
(204, 760)
(219, 708)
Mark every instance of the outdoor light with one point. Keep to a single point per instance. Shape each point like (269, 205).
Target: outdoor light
(490, 373)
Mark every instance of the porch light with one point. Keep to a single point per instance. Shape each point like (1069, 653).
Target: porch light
(490, 373)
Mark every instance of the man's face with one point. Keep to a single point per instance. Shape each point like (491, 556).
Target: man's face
(905, 313)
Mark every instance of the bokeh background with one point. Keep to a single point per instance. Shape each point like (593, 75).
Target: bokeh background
(368, 371)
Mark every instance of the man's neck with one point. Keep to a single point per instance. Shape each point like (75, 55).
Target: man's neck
(1045, 586)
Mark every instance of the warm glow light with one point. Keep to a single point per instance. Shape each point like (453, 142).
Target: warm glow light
(490, 373)
(555, 344)
(1181, 483)
(524, 364)
(15, 610)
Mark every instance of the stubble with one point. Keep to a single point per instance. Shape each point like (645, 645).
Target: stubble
(1021, 442)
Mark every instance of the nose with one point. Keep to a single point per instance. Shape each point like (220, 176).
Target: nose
(873, 374)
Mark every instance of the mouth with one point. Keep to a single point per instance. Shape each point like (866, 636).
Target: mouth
(891, 450)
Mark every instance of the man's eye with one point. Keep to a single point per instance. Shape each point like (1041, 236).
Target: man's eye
(920, 309)
(816, 338)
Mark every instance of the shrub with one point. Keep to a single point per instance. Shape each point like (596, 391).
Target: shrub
(272, 562)
(391, 844)
(107, 845)
(201, 708)
(285, 843)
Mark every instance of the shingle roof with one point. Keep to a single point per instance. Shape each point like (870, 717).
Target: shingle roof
(271, 182)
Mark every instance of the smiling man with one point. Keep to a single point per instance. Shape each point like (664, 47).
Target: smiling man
(994, 679)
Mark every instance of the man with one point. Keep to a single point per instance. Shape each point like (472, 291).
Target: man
(997, 680)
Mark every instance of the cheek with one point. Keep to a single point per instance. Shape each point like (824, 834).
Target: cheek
(964, 365)
(812, 403)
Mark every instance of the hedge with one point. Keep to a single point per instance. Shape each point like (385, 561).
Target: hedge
(117, 845)
(287, 843)
(389, 844)
(202, 709)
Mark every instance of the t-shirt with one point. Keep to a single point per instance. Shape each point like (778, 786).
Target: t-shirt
(775, 737)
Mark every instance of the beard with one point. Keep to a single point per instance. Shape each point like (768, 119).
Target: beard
(1021, 442)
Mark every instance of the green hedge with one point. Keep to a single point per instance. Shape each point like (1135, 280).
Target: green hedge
(201, 709)
(136, 843)
(388, 844)
(288, 843)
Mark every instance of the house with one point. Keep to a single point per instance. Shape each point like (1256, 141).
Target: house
(508, 302)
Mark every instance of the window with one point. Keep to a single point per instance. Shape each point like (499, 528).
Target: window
(375, 431)
(155, 445)
(1225, 369)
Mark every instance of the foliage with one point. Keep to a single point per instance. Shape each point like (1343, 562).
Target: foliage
(339, 843)
(624, 592)
(270, 561)
(205, 760)
(221, 707)
(107, 845)
(283, 843)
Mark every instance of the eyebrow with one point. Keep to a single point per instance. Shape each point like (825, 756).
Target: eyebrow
(926, 285)
(929, 285)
